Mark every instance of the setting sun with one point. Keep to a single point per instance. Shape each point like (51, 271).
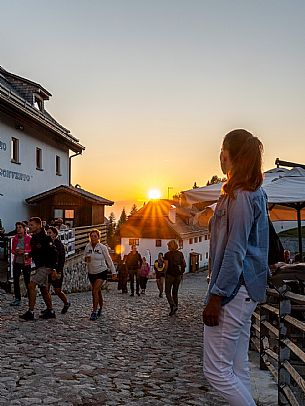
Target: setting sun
(154, 194)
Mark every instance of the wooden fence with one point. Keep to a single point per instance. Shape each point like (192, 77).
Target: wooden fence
(82, 236)
(278, 332)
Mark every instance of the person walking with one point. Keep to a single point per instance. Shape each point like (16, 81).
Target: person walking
(122, 274)
(239, 267)
(21, 247)
(159, 271)
(98, 262)
(143, 275)
(133, 263)
(44, 254)
(174, 266)
(52, 232)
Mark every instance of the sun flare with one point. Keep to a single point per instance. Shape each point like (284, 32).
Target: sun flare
(154, 194)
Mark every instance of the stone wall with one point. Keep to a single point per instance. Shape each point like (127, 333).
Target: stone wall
(75, 275)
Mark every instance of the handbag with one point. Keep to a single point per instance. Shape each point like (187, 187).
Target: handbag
(276, 249)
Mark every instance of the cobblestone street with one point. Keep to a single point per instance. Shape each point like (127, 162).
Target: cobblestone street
(135, 354)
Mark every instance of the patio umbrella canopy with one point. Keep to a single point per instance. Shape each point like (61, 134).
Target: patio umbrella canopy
(285, 190)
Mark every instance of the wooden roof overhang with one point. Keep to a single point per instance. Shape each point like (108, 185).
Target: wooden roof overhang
(72, 191)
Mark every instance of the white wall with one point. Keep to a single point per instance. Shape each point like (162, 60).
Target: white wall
(25, 180)
(146, 244)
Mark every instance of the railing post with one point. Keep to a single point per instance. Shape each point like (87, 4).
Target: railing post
(263, 336)
(283, 351)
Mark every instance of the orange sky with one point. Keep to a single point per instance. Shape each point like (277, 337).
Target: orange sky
(151, 89)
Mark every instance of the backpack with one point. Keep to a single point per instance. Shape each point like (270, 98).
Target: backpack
(178, 265)
(276, 249)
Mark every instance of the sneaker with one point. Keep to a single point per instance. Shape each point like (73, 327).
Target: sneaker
(65, 308)
(99, 312)
(143, 291)
(44, 311)
(138, 293)
(160, 295)
(93, 316)
(49, 314)
(16, 302)
(175, 308)
(27, 316)
(132, 294)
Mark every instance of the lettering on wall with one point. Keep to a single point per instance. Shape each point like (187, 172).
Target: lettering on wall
(6, 173)
(2, 146)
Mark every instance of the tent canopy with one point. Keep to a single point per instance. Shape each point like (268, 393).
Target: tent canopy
(281, 185)
(285, 190)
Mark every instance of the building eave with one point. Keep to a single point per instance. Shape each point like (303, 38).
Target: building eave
(71, 190)
(11, 101)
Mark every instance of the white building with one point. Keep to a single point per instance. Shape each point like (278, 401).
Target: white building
(35, 150)
(160, 221)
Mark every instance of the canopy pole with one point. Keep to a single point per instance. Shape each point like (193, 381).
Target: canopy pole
(300, 231)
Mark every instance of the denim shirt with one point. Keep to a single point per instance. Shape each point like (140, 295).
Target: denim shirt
(239, 246)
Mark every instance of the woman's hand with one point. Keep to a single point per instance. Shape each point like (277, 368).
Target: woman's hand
(210, 314)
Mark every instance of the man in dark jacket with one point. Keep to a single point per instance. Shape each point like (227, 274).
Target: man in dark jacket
(133, 264)
(44, 255)
(57, 283)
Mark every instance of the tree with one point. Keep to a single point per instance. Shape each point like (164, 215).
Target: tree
(122, 220)
(111, 231)
(133, 210)
(177, 198)
(215, 179)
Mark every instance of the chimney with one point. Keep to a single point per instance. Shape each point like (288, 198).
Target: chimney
(172, 214)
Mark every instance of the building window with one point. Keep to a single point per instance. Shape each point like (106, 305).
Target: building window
(191, 241)
(39, 158)
(196, 239)
(69, 214)
(180, 244)
(38, 102)
(15, 150)
(58, 213)
(158, 243)
(57, 165)
(200, 257)
(133, 241)
(207, 255)
(206, 237)
(200, 239)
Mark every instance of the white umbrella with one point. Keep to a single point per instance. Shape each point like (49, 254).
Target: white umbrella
(285, 190)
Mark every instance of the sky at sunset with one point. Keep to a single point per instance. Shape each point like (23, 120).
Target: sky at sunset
(151, 87)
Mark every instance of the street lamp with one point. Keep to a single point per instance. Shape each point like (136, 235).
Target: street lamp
(168, 189)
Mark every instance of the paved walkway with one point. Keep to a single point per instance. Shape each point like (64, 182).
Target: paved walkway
(133, 355)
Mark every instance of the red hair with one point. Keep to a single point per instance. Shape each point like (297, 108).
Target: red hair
(245, 153)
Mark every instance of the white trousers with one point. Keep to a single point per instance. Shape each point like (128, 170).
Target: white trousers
(225, 350)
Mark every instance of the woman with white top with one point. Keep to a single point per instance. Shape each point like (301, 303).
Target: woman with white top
(98, 262)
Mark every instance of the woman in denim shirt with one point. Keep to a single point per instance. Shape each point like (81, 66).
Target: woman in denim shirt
(239, 267)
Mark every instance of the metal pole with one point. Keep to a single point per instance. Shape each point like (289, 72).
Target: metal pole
(300, 231)
(70, 167)
(168, 189)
